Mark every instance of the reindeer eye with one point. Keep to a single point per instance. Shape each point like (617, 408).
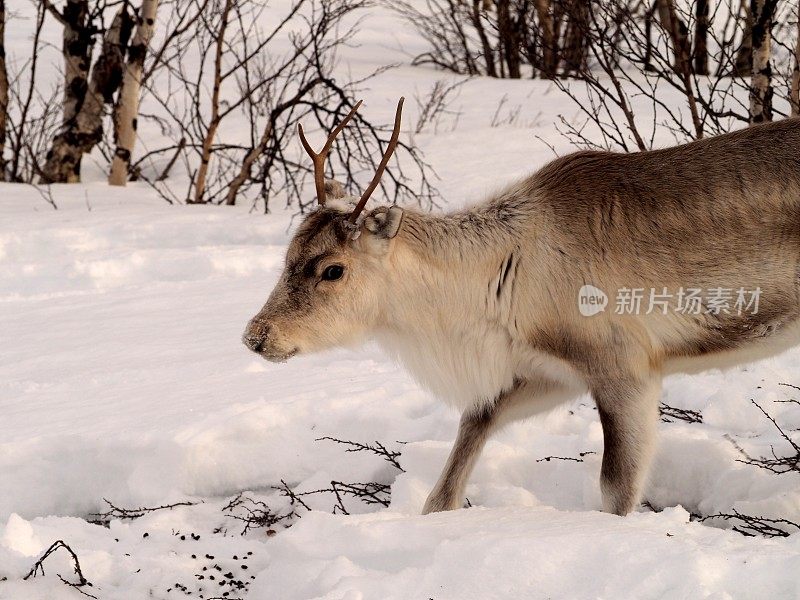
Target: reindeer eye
(333, 273)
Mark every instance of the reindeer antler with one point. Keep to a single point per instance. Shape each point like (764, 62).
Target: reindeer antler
(382, 166)
(319, 158)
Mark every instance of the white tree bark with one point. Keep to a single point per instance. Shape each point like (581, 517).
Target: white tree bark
(77, 45)
(127, 112)
(84, 129)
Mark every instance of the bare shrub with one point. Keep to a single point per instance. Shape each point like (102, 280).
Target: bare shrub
(778, 464)
(456, 32)
(505, 38)
(275, 76)
(640, 56)
(32, 115)
(435, 105)
(256, 514)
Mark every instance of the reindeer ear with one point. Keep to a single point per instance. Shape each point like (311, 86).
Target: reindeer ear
(334, 189)
(384, 222)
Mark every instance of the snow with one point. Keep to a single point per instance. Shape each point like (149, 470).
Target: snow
(522, 552)
(122, 377)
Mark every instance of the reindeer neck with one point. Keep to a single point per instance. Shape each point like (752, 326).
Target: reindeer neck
(472, 235)
(450, 278)
(442, 261)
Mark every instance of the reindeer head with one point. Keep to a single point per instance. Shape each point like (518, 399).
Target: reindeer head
(332, 288)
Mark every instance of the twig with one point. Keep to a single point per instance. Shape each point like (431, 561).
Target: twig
(291, 495)
(565, 458)
(173, 160)
(256, 514)
(751, 525)
(38, 567)
(378, 449)
(46, 192)
(130, 514)
(668, 413)
(776, 464)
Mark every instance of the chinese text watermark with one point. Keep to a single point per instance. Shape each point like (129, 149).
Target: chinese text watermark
(688, 301)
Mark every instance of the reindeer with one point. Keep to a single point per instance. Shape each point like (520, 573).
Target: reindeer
(482, 305)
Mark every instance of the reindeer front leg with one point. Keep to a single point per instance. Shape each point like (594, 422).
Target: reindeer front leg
(473, 431)
(524, 399)
(628, 408)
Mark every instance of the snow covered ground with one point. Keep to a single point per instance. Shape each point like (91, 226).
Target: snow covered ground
(122, 377)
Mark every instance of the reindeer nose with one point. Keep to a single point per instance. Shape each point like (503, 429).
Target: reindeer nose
(256, 336)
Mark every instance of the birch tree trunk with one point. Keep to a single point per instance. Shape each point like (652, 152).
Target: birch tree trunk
(126, 113)
(3, 90)
(794, 94)
(761, 79)
(213, 125)
(85, 129)
(77, 50)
